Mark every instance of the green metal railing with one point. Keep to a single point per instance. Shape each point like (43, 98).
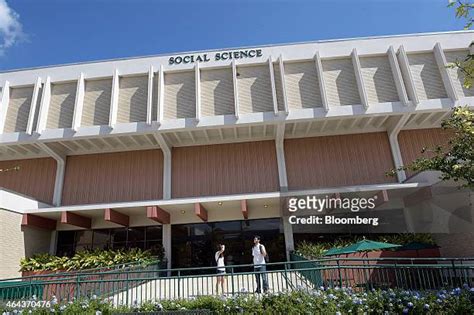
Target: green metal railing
(129, 286)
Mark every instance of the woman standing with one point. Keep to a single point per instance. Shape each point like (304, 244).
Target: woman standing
(219, 256)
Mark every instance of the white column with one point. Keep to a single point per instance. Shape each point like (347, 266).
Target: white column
(397, 76)
(149, 100)
(395, 147)
(359, 79)
(44, 107)
(53, 242)
(114, 99)
(167, 243)
(161, 94)
(4, 104)
(272, 81)
(60, 170)
(283, 84)
(405, 68)
(34, 100)
(322, 86)
(166, 149)
(288, 233)
(236, 90)
(280, 151)
(197, 82)
(79, 103)
(442, 64)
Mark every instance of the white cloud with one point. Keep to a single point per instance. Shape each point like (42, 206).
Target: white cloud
(11, 30)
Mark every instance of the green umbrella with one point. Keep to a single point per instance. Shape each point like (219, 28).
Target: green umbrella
(364, 245)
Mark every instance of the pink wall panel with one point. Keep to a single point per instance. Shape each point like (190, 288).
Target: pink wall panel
(224, 169)
(338, 160)
(413, 141)
(35, 178)
(113, 177)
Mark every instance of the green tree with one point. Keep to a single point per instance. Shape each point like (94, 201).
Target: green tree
(463, 9)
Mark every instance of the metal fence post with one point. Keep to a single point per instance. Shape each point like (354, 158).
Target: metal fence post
(339, 272)
(78, 287)
(126, 286)
(455, 273)
(179, 284)
(232, 279)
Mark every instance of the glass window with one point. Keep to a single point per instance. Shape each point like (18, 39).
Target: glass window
(154, 233)
(101, 239)
(136, 234)
(202, 229)
(84, 237)
(118, 235)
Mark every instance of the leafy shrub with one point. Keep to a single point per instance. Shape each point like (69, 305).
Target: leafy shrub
(88, 259)
(300, 301)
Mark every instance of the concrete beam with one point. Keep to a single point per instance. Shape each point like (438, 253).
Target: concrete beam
(44, 107)
(116, 217)
(359, 79)
(236, 90)
(161, 95)
(157, 214)
(408, 77)
(200, 211)
(29, 220)
(322, 86)
(442, 65)
(283, 84)
(273, 85)
(4, 104)
(397, 76)
(114, 99)
(71, 218)
(79, 102)
(34, 101)
(197, 82)
(149, 98)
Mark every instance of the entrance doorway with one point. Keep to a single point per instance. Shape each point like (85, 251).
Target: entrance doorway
(194, 245)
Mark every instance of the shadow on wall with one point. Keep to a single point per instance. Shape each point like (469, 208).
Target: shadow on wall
(35, 240)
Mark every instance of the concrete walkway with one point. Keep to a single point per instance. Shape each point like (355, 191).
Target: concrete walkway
(194, 286)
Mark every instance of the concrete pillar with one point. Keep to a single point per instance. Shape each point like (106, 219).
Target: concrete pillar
(280, 151)
(53, 242)
(288, 232)
(167, 243)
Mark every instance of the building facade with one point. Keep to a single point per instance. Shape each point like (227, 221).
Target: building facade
(192, 149)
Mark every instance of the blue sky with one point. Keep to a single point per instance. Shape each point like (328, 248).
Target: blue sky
(51, 32)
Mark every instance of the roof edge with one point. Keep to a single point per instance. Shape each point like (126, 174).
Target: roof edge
(235, 48)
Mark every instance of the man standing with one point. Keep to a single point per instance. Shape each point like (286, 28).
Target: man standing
(259, 254)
